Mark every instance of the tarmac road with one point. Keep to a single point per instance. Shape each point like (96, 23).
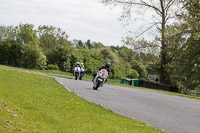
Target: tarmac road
(172, 114)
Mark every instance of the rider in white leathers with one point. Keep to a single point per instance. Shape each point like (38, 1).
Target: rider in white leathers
(107, 67)
(77, 68)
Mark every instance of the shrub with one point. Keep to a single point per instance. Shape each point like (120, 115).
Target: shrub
(133, 74)
(53, 67)
(33, 57)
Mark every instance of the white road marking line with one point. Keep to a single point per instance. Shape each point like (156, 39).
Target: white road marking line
(60, 82)
(67, 88)
(64, 86)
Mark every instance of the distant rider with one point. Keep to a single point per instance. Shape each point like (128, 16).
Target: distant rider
(77, 67)
(82, 68)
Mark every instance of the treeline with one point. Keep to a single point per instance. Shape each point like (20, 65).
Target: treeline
(177, 24)
(48, 47)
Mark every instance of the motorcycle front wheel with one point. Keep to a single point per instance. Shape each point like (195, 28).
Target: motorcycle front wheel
(76, 76)
(97, 86)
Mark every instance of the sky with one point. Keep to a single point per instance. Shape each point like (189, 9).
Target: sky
(80, 19)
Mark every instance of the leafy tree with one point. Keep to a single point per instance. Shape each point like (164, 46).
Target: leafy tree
(26, 34)
(162, 12)
(51, 36)
(117, 72)
(183, 42)
(109, 56)
(11, 53)
(21, 46)
(150, 61)
(129, 71)
(126, 54)
(4, 32)
(15, 39)
(33, 57)
(189, 64)
(184, 46)
(92, 60)
(62, 56)
(115, 49)
(133, 74)
(98, 45)
(89, 44)
(81, 45)
(191, 17)
(140, 68)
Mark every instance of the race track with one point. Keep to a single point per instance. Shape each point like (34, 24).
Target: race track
(172, 114)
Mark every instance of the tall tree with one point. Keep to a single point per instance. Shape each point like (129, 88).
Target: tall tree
(185, 45)
(88, 43)
(26, 34)
(162, 11)
(51, 36)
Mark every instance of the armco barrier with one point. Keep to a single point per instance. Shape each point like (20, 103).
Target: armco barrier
(157, 86)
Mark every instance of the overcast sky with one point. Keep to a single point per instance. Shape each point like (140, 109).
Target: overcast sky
(81, 19)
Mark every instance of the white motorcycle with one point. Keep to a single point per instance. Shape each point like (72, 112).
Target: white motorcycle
(77, 72)
(100, 78)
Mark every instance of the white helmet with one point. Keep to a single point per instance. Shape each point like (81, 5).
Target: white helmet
(78, 63)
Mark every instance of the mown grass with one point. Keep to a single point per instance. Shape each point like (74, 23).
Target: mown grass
(36, 103)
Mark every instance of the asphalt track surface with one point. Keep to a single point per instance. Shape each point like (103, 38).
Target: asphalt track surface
(172, 114)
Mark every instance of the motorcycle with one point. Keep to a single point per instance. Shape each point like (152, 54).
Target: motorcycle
(77, 72)
(82, 71)
(100, 78)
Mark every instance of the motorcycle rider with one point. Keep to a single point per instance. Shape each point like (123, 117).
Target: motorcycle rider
(82, 68)
(77, 65)
(107, 67)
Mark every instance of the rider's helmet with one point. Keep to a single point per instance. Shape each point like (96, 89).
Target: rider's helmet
(78, 63)
(82, 65)
(107, 65)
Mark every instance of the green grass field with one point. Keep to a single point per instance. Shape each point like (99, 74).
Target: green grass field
(36, 103)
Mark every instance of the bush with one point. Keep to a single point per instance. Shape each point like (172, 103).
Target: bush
(117, 72)
(133, 74)
(139, 67)
(33, 57)
(62, 56)
(53, 67)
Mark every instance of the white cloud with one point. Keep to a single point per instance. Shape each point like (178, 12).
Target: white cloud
(81, 19)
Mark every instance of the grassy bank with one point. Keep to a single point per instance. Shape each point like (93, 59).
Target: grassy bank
(36, 103)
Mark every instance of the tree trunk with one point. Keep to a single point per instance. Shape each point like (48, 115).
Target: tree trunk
(164, 78)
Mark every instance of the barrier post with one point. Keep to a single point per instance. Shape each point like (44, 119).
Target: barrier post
(132, 82)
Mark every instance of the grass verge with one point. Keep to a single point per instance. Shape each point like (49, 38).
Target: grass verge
(37, 103)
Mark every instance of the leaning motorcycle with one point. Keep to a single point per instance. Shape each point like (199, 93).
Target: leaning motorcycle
(100, 78)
